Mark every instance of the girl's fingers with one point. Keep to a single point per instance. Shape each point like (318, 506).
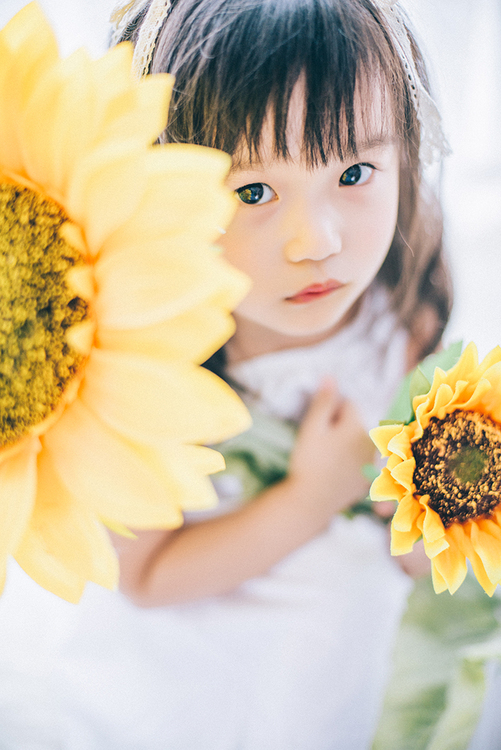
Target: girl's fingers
(324, 404)
(384, 509)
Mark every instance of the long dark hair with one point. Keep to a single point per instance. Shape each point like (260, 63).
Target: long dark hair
(237, 61)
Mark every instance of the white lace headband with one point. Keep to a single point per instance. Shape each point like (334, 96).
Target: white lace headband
(433, 142)
(124, 13)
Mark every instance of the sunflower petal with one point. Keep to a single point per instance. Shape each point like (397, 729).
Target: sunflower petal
(64, 535)
(491, 401)
(439, 582)
(486, 539)
(29, 38)
(145, 118)
(116, 171)
(381, 436)
(433, 528)
(110, 475)
(406, 515)
(176, 172)
(18, 481)
(402, 542)
(384, 488)
(194, 336)
(401, 444)
(169, 281)
(404, 473)
(185, 474)
(147, 402)
(466, 365)
(451, 563)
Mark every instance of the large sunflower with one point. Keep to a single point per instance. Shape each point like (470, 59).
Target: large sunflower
(111, 295)
(444, 469)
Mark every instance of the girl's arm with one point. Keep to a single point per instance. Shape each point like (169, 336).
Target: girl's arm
(215, 556)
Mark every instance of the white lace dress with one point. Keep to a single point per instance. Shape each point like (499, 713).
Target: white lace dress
(296, 659)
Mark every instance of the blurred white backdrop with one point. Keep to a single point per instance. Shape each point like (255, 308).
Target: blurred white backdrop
(463, 42)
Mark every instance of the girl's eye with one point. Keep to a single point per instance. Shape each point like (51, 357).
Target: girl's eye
(257, 193)
(356, 175)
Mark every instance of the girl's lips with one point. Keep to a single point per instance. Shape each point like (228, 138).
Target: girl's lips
(315, 291)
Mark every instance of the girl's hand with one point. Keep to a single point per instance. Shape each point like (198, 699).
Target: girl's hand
(331, 448)
(416, 563)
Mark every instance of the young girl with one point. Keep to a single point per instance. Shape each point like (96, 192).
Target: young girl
(272, 619)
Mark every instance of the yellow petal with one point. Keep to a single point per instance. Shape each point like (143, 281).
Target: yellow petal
(18, 476)
(439, 583)
(435, 547)
(185, 197)
(404, 472)
(206, 460)
(145, 118)
(481, 574)
(406, 514)
(107, 473)
(491, 359)
(80, 279)
(486, 539)
(64, 535)
(81, 336)
(194, 336)
(26, 37)
(56, 578)
(105, 189)
(491, 399)
(482, 388)
(382, 435)
(170, 279)
(443, 398)
(144, 401)
(393, 461)
(433, 528)
(184, 474)
(384, 488)
(465, 367)
(450, 564)
(401, 444)
(402, 542)
(65, 106)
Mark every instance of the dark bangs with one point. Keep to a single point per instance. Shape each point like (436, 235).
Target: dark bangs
(236, 63)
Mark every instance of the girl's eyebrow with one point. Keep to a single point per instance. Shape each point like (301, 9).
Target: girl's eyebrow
(367, 144)
(377, 141)
(246, 166)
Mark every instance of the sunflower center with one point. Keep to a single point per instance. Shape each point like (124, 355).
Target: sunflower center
(458, 465)
(36, 310)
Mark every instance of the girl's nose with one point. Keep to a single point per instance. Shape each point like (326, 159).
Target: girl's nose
(315, 236)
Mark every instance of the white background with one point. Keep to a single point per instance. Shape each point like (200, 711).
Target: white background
(463, 42)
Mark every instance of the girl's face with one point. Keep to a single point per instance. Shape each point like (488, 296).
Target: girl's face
(311, 239)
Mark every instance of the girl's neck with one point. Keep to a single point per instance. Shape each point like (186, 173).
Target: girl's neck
(252, 339)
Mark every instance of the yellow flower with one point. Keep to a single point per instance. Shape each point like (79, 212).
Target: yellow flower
(444, 469)
(111, 295)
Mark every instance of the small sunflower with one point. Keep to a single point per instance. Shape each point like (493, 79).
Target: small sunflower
(444, 470)
(111, 296)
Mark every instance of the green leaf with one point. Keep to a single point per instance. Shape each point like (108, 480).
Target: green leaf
(401, 410)
(419, 384)
(370, 472)
(435, 695)
(444, 359)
